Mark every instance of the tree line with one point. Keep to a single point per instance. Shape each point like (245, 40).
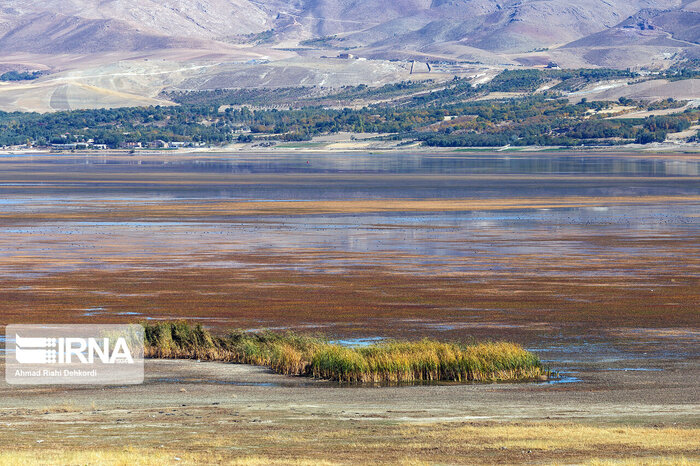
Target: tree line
(437, 120)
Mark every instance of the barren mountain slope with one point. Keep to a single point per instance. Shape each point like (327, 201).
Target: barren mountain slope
(51, 33)
(649, 25)
(200, 44)
(180, 18)
(494, 25)
(502, 26)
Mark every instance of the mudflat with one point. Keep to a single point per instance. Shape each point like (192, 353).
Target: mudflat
(209, 412)
(593, 262)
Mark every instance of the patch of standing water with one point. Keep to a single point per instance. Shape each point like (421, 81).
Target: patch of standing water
(633, 369)
(93, 311)
(563, 377)
(357, 342)
(213, 381)
(3, 344)
(96, 311)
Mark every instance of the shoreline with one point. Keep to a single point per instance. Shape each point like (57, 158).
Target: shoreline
(201, 412)
(648, 151)
(589, 263)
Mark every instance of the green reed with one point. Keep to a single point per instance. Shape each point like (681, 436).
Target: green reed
(384, 362)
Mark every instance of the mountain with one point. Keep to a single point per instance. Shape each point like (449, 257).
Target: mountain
(203, 19)
(52, 33)
(191, 44)
(71, 26)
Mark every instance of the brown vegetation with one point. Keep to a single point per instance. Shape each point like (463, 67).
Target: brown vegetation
(390, 362)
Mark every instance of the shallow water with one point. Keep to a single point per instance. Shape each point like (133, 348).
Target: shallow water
(192, 380)
(341, 176)
(561, 162)
(448, 242)
(647, 243)
(357, 342)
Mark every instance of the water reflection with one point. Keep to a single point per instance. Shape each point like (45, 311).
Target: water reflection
(411, 241)
(531, 163)
(324, 176)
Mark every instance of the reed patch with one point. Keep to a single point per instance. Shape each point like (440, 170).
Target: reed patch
(384, 362)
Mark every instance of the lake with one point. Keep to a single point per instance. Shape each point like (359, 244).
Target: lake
(548, 249)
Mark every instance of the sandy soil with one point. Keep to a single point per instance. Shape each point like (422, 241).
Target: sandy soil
(219, 412)
(136, 79)
(646, 90)
(117, 79)
(602, 394)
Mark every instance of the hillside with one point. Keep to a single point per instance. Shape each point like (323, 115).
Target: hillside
(502, 26)
(184, 44)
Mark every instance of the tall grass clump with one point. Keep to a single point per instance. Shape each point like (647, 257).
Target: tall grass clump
(385, 362)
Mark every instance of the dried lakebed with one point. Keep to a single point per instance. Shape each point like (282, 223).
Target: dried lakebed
(590, 261)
